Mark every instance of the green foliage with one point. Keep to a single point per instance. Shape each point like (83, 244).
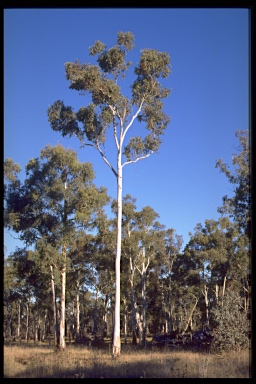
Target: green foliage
(153, 64)
(94, 127)
(109, 106)
(125, 39)
(113, 60)
(238, 206)
(231, 324)
(63, 119)
(58, 189)
(218, 248)
(98, 47)
(11, 170)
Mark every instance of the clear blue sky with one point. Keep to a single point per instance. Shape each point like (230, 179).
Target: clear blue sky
(208, 103)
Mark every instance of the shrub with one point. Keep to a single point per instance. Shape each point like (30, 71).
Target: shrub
(232, 324)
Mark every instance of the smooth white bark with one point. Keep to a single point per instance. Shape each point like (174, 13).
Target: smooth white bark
(55, 325)
(62, 343)
(205, 293)
(133, 303)
(223, 289)
(116, 338)
(190, 317)
(143, 272)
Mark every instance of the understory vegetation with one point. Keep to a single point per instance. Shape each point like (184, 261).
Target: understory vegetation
(42, 361)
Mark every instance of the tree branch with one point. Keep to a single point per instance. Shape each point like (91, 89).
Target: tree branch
(115, 137)
(139, 158)
(114, 112)
(140, 271)
(53, 264)
(106, 161)
(15, 238)
(103, 156)
(87, 144)
(132, 120)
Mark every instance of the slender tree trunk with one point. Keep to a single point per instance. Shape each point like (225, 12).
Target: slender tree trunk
(18, 320)
(54, 305)
(178, 323)
(171, 317)
(95, 314)
(116, 338)
(169, 305)
(77, 311)
(36, 328)
(27, 322)
(62, 343)
(246, 295)
(139, 326)
(190, 317)
(9, 322)
(205, 293)
(125, 320)
(191, 323)
(223, 289)
(143, 294)
(144, 304)
(44, 326)
(105, 318)
(39, 328)
(217, 288)
(112, 317)
(133, 303)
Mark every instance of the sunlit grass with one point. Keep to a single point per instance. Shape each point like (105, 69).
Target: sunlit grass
(41, 361)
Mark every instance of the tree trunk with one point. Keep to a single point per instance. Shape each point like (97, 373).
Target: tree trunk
(44, 326)
(171, 318)
(143, 295)
(144, 304)
(27, 322)
(223, 289)
(205, 293)
(95, 314)
(77, 311)
(18, 321)
(125, 320)
(62, 343)
(190, 317)
(246, 294)
(36, 328)
(54, 304)
(116, 338)
(217, 288)
(9, 322)
(133, 303)
(169, 310)
(139, 326)
(105, 318)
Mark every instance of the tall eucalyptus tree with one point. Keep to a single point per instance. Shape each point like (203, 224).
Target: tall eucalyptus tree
(109, 107)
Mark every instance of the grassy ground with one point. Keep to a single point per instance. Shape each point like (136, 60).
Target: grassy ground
(43, 361)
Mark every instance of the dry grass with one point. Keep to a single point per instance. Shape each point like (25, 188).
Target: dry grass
(28, 361)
